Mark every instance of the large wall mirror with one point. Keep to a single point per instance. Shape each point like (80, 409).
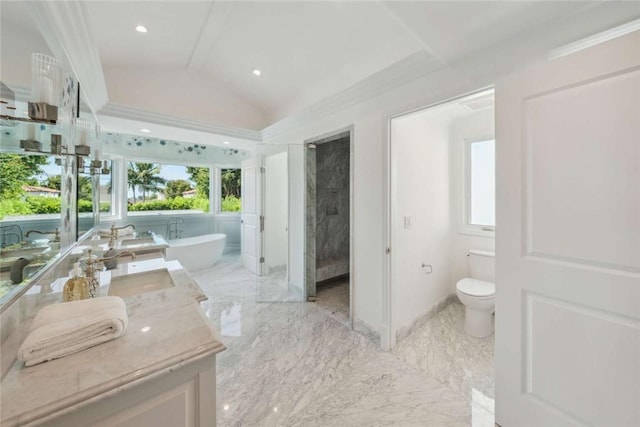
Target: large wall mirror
(31, 185)
(48, 198)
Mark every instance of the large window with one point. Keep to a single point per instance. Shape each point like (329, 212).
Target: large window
(230, 190)
(165, 187)
(481, 181)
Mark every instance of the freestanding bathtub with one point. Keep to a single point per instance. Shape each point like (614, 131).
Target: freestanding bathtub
(196, 252)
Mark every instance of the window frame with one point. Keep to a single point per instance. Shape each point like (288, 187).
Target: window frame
(466, 227)
(113, 211)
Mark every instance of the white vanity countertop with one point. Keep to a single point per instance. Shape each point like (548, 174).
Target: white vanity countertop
(157, 243)
(167, 330)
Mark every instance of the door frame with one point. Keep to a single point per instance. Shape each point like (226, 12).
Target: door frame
(387, 334)
(328, 137)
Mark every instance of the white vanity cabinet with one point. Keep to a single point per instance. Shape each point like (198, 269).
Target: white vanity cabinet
(161, 372)
(184, 397)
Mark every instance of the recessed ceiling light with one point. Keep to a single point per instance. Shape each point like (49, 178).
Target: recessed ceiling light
(257, 72)
(145, 130)
(141, 29)
(226, 142)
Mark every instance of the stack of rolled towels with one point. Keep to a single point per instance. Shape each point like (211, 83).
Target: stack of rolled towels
(59, 330)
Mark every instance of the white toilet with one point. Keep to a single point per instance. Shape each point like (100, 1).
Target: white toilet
(478, 294)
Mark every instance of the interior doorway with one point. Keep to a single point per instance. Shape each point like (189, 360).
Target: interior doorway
(329, 224)
(442, 204)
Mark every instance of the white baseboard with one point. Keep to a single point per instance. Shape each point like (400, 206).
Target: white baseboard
(367, 330)
(403, 332)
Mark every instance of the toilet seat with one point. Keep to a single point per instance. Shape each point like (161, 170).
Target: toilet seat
(476, 288)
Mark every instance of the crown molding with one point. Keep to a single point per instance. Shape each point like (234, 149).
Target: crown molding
(131, 113)
(67, 30)
(594, 40)
(405, 71)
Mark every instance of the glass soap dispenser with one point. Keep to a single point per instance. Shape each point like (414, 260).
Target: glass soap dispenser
(77, 287)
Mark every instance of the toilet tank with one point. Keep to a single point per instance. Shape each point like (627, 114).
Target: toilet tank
(482, 265)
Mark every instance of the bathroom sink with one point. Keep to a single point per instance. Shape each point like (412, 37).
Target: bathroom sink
(23, 252)
(8, 257)
(138, 283)
(135, 242)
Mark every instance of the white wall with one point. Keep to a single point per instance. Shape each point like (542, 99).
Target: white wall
(370, 122)
(475, 125)
(420, 193)
(276, 210)
(369, 118)
(229, 225)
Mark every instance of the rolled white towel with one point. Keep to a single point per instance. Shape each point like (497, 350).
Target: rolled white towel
(59, 330)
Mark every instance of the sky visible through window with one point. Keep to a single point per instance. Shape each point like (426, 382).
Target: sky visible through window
(483, 183)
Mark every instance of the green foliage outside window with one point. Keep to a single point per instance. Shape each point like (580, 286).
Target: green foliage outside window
(176, 188)
(144, 177)
(231, 187)
(148, 187)
(178, 203)
(201, 177)
(231, 204)
(17, 170)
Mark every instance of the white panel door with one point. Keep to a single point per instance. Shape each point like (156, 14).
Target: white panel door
(275, 237)
(568, 240)
(250, 216)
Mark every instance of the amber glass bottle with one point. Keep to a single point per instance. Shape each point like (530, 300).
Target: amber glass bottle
(77, 287)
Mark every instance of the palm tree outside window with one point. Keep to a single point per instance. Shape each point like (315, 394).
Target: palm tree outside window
(162, 187)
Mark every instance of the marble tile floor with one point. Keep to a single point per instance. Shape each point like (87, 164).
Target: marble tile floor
(440, 347)
(333, 297)
(293, 364)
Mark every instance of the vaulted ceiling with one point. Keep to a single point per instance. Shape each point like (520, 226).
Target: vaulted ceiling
(197, 58)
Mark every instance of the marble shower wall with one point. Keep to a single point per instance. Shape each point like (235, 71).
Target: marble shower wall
(332, 208)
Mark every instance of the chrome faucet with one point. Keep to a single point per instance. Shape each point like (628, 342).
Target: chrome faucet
(56, 234)
(91, 269)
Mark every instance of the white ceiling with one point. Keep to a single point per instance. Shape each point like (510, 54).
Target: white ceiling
(173, 31)
(197, 58)
(305, 50)
(18, 34)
